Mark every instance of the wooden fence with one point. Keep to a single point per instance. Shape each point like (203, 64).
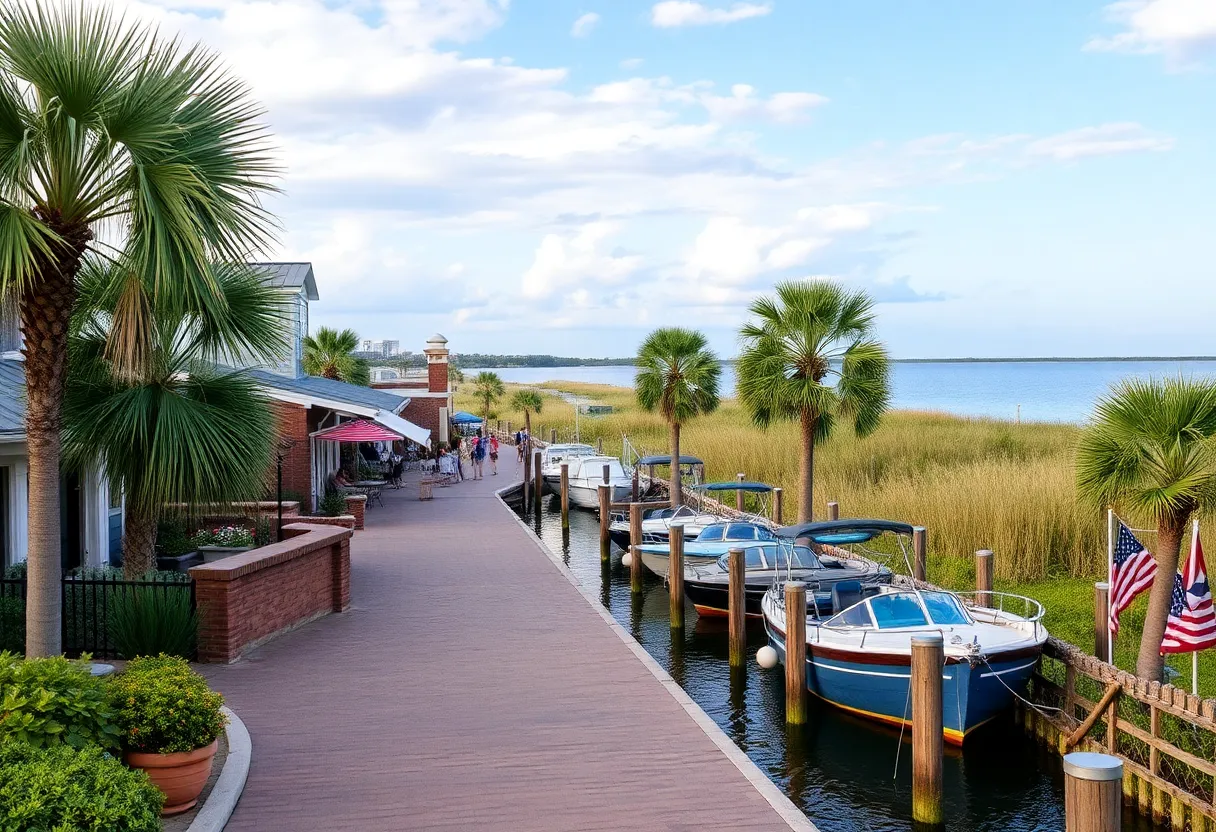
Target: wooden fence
(1165, 736)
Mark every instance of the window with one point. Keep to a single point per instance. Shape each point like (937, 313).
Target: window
(741, 531)
(855, 616)
(711, 533)
(764, 534)
(897, 610)
(803, 557)
(944, 609)
(753, 558)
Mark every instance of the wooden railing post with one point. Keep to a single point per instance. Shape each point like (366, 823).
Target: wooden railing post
(736, 608)
(566, 496)
(675, 575)
(1102, 621)
(552, 436)
(635, 543)
(920, 547)
(983, 577)
(605, 495)
(795, 653)
(599, 446)
(635, 484)
(833, 510)
(778, 495)
(538, 484)
(739, 495)
(1092, 786)
(928, 658)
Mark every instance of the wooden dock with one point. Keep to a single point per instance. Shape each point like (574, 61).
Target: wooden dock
(474, 686)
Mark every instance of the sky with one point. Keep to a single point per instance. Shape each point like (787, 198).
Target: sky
(1029, 178)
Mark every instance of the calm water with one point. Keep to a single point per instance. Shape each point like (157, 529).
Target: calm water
(1049, 392)
(840, 770)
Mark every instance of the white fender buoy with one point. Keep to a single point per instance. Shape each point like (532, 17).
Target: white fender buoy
(627, 559)
(766, 657)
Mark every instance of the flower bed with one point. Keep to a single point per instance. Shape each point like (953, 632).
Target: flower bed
(225, 537)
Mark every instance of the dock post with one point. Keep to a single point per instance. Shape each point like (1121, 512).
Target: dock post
(635, 542)
(528, 476)
(566, 496)
(983, 577)
(552, 436)
(538, 484)
(675, 576)
(833, 510)
(1102, 621)
(928, 658)
(920, 546)
(777, 500)
(635, 484)
(605, 494)
(739, 495)
(1092, 792)
(599, 446)
(795, 653)
(736, 608)
(607, 474)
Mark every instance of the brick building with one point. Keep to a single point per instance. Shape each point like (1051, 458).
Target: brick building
(430, 398)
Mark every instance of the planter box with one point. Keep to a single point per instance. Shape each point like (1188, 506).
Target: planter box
(179, 563)
(213, 553)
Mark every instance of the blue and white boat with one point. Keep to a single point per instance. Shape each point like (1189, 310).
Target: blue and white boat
(713, 542)
(859, 657)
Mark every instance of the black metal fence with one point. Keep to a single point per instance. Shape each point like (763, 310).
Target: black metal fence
(88, 598)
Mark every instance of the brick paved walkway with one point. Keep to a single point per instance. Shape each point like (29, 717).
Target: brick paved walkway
(471, 686)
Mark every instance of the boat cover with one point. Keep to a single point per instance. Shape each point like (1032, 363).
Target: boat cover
(844, 531)
(753, 487)
(666, 460)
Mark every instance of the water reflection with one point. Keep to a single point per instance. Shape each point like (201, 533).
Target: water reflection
(847, 774)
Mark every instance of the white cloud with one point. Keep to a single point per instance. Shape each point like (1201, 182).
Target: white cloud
(565, 262)
(742, 103)
(1179, 29)
(583, 26)
(675, 13)
(1103, 140)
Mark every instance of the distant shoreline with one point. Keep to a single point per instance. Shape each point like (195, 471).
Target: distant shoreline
(1110, 359)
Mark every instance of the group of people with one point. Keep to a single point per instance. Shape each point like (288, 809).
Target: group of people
(475, 449)
(521, 443)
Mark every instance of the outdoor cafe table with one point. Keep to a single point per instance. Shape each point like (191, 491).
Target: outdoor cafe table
(373, 489)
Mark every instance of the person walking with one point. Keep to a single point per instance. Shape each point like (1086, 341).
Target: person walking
(458, 445)
(494, 454)
(519, 445)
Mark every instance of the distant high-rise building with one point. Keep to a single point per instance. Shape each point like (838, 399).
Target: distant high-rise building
(391, 348)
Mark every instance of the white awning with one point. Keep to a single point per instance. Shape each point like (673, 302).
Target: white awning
(407, 429)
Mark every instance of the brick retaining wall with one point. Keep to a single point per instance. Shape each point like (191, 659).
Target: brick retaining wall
(249, 598)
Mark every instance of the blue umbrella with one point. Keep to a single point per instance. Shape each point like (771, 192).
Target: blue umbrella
(462, 418)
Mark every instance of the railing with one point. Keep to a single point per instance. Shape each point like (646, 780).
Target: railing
(88, 600)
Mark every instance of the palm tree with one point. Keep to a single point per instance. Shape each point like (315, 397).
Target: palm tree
(529, 401)
(678, 376)
(487, 388)
(108, 129)
(181, 431)
(1151, 449)
(811, 356)
(329, 354)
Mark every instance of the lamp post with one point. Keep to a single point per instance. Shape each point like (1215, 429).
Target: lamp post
(285, 445)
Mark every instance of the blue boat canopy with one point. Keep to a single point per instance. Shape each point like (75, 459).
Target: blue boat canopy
(753, 487)
(840, 532)
(462, 418)
(666, 460)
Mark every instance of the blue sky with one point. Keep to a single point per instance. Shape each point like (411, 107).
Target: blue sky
(1029, 178)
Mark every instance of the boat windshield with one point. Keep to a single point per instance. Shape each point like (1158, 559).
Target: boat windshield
(944, 608)
(711, 533)
(802, 557)
(753, 558)
(898, 609)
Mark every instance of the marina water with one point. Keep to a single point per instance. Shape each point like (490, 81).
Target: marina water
(1046, 391)
(847, 774)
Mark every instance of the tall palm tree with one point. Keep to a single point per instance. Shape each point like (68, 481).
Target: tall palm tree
(810, 355)
(487, 389)
(529, 401)
(678, 376)
(180, 431)
(109, 131)
(1151, 450)
(329, 354)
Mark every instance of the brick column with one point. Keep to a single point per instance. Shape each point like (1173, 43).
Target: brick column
(355, 505)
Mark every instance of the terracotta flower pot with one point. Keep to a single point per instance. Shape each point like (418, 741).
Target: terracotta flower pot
(179, 776)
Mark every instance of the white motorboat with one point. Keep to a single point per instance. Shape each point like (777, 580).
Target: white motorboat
(552, 457)
(587, 475)
(656, 526)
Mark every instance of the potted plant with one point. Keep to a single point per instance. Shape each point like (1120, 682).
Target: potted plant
(222, 542)
(170, 722)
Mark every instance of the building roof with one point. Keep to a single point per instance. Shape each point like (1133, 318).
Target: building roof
(336, 391)
(290, 276)
(12, 397)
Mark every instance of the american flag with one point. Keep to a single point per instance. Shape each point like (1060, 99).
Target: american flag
(1132, 571)
(1191, 624)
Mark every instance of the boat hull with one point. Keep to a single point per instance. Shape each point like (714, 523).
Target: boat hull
(713, 599)
(589, 497)
(660, 564)
(876, 685)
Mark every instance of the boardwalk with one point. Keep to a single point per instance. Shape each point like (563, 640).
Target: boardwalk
(470, 687)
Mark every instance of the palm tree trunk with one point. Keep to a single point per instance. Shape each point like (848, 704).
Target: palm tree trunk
(806, 469)
(1149, 662)
(677, 498)
(138, 544)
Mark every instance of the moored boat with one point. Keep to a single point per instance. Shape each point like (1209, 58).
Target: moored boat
(552, 458)
(656, 526)
(586, 474)
(713, 542)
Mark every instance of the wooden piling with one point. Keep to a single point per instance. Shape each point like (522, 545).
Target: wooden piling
(928, 658)
(565, 495)
(675, 575)
(736, 608)
(1092, 786)
(983, 577)
(528, 495)
(795, 653)
(607, 473)
(635, 484)
(739, 495)
(778, 496)
(635, 542)
(1102, 620)
(605, 494)
(552, 436)
(538, 484)
(833, 510)
(920, 547)
(599, 446)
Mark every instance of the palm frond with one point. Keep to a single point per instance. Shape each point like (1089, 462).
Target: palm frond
(677, 375)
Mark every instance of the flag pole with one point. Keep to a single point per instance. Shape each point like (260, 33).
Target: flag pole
(1110, 561)
(1195, 654)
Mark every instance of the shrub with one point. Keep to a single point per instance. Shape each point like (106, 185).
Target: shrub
(333, 504)
(65, 790)
(16, 572)
(88, 601)
(261, 530)
(151, 620)
(12, 624)
(231, 536)
(163, 706)
(45, 702)
(172, 539)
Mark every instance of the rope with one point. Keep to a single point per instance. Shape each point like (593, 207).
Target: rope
(902, 725)
(1130, 529)
(1041, 709)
